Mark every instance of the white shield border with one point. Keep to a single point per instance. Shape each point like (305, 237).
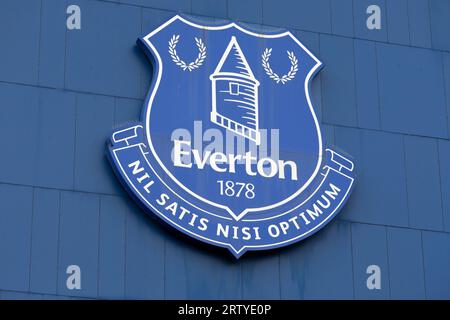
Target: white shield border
(155, 85)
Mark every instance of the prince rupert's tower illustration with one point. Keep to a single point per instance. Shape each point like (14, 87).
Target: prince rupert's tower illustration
(235, 94)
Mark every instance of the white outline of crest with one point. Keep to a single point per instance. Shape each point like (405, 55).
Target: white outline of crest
(308, 98)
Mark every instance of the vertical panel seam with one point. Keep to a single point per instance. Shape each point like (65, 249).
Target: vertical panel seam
(164, 268)
(354, 85)
(387, 23)
(406, 179)
(279, 275)
(353, 267)
(388, 262)
(98, 244)
(141, 70)
(262, 12)
(226, 9)
(423, 264)
(75, 143)
(241, 278)
(125, 256)
(322, 107)
(430, 24)
(39, 44)
(59, 241)
(31, 237)
(353, 18)
(446, 102)
(331, 16)
(115, 112)
(65, 55)
(440, 184)
(380, 122)
(409, 23)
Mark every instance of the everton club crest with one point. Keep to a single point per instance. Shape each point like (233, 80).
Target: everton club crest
(229, 149)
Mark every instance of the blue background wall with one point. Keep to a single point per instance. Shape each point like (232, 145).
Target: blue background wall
(383, 96)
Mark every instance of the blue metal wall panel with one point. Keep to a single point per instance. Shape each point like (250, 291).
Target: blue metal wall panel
(55, 152)
(217, 9)
(342, 17)
(397, 21)
(52, 45)
(423, 183)
(440, 24)
(360, 16)
(261, 277)
(303, 14)
(44, 245)
(419, 23)
(112, 236)
(198, 273)
(94, 122)
(338, 80)
(377, 198)
(177, 5)
(15, 236)
(446, 72)
(328, 135)
(144, 257)
(19, 116)
(19, 31)
(436, 247)
(406, 271)
(127, 111)
(248, 11)
(383, 97)
(78, 241)
(444, 171)
(366, 79)
(369, 247)
(320, 267)
(102, 60)
(13, 295)
(411, 95)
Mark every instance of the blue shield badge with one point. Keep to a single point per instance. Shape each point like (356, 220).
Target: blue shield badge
(229, 149)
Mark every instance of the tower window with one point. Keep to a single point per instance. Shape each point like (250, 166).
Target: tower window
(234, 88)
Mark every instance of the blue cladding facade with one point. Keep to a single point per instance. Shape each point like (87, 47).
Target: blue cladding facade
(383, 96)
(45, 240)
(406, 269)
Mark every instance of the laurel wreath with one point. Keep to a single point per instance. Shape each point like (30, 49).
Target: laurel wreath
(183, 65)
(286, 77)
